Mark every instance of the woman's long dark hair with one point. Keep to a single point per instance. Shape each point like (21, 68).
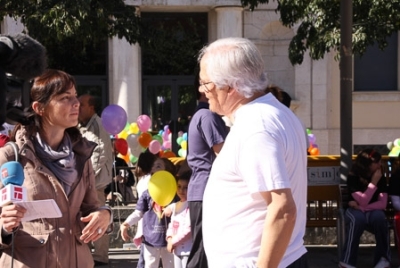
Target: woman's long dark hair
(363, 162)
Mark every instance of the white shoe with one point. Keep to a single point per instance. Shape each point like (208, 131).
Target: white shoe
(345, 265)
(383, 263)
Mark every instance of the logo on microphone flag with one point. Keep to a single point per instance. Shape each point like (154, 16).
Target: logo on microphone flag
(12, 193)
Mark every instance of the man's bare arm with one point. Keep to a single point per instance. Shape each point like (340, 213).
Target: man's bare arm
(278, 227)
(217, 148)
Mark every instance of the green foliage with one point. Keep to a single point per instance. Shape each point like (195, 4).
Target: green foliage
(86, 20)
(318, 24)
(171, 44)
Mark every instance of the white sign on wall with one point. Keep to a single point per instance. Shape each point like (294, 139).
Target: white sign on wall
(323, 175)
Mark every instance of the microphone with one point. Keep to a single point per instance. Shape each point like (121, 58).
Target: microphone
(12, 177)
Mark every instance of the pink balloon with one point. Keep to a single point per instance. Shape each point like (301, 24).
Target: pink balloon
(154, 146)
(167, 144)
(165, 136)
(143, 122)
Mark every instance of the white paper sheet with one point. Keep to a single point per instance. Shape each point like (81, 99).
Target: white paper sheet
(40, 209)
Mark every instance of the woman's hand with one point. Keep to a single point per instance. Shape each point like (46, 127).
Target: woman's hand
(353, 204)
(98, 222)
(11, 216)
(124, 232)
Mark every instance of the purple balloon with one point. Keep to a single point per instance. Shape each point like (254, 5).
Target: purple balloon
(114, 119)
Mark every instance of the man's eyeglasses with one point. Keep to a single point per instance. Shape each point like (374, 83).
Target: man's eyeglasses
(201, 83)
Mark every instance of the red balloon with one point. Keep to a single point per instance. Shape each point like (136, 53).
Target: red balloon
(121, 146)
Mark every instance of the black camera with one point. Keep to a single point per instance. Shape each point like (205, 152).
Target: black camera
(21, 59)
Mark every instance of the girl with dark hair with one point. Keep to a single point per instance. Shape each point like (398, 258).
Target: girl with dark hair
(179, 237)
(368, 194)
(154, 244)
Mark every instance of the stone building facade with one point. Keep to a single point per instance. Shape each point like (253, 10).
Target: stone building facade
(314, 85)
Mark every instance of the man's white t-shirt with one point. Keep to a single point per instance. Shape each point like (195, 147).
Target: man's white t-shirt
(265, 150)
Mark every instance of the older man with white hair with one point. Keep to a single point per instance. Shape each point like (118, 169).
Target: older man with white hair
(255, 200)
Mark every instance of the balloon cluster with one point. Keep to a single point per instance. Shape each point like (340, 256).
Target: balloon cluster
(182, 142)
(313, 148)
(394, 147)
(133, 138)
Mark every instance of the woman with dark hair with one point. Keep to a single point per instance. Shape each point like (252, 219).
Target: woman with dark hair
(56, 163)
(394, 192)
(368, 194)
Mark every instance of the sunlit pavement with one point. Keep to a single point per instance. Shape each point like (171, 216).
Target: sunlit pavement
(318, 257)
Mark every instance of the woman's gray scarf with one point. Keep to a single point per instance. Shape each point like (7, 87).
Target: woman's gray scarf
(60, 162)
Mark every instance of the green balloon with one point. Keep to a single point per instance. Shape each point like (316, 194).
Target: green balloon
(158, 138)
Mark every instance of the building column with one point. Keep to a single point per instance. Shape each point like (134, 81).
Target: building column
(125, 76)
(11, 26)
(229, 21)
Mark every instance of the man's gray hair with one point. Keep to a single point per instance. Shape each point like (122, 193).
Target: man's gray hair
(237, 63)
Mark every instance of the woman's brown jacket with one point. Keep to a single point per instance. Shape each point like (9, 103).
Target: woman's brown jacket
(51, 242)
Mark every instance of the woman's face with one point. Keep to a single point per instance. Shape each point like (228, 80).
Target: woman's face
(182, 187)
(157, 166)
(375, 166)
(62, 110)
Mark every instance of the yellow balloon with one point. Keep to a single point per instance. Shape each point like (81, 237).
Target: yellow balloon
(162, 187)
(122, 135)
(134, 128)
(184, 145)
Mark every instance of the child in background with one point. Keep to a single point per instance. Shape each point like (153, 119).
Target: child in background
(142, 173)
(179, 237)
(154, 244)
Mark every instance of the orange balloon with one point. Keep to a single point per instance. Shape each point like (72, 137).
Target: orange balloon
(314, 151)
(145, 139)
(168, 154)
(125, 157)
(310, 148)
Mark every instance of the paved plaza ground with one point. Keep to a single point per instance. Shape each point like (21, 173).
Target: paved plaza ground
(318, 257)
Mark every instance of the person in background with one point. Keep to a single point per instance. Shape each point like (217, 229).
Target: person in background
(142, 173)
(6, 129)
(102, 160)
(123, 180)
(206, 135)
(368, 199)
(4, 139)
(56, 163)
(255, 200)
(285, 98)
(280, 94)
(154, 227)
(394, 193)
(178, 233)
